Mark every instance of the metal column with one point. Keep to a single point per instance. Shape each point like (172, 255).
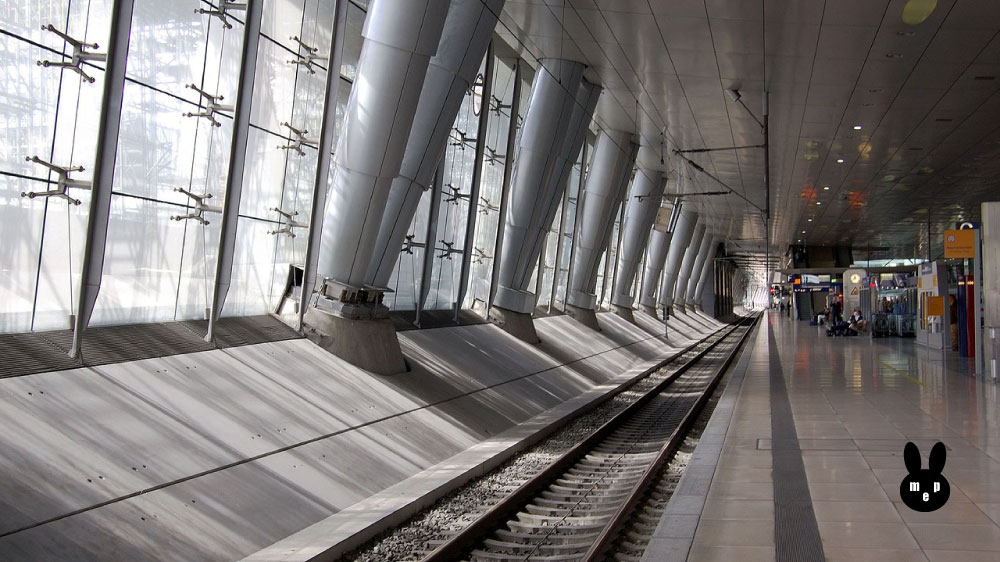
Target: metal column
(678, 246)
(477, 177)
(237, 158)
(104, 169)
(684, 273)
(640, 214)
(400, 38)
(613, 161)
(696, 269)
(450, 73)
(326, 139)
(550, 108)
(508, 169)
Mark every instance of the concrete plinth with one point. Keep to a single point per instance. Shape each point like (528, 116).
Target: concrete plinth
(650, 310)
(623, 312)
(369, 344)
(518, 324)
(585, 316)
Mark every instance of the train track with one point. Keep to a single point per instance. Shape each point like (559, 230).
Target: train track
(432, 533)
(577, 507)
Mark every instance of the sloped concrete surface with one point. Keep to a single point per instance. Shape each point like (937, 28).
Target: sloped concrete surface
(216, 455)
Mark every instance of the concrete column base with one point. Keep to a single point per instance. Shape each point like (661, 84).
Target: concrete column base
(650, 310)
(518, 324)
(624, 312)
(585, 316)
(371, 345)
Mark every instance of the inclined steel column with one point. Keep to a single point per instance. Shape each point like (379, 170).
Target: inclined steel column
(325, 147)
(104, 169)
(640, 214)
(508, 168)
(477, 177)
(678, 246)
(659, 243)
(705, 273)
(687, 263)
(400, 38)
(551, 105)
(613, 160)
(450, 74)
(237, 160)
(579, 122)
(699, 263)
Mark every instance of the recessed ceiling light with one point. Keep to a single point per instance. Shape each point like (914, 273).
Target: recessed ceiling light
(857, 127)
(803, 232)
(896, 56)
(906, 33)
(819, 202)
(809, 220)
(874, 90)
(826, 188)
(840, 160)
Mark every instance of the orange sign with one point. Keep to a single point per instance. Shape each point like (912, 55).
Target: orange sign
(935, 306)
(960, 243)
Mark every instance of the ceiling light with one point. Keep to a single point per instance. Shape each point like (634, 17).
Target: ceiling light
(916, 11)
(809, 220)
(826, 188)
(857, 127)
(819, 202)
(840, 160)
(803, 232)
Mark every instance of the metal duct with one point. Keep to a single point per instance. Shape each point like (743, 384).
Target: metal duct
(467, 32)
(400, 38)
(704, 272)
(614, 156)
(678, 245)
(687, 264)
(640, 214)
(551, 105)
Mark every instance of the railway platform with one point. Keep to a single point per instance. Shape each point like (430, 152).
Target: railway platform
(803, 456)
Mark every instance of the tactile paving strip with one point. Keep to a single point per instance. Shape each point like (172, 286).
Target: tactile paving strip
(796, 533)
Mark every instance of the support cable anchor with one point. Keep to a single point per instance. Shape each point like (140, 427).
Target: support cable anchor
(222, 12)
(212, 105)
(287, 222)
(63, 183)
(200, 208)
(79, 56)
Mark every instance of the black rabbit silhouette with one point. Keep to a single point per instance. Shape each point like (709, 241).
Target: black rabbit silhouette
(924, 490)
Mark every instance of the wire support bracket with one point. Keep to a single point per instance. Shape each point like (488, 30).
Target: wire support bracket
(200, 208)
(63, 183)
(80, 55)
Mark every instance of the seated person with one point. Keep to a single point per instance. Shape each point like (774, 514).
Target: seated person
(822, 316)
(857, 322)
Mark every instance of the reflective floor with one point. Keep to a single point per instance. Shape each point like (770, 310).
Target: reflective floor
(855, 403)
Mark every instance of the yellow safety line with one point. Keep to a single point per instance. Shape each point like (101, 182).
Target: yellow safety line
(902, 372)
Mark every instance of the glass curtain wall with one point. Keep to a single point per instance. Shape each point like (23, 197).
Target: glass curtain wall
(173, 155)
(173, 158)
(491, 188)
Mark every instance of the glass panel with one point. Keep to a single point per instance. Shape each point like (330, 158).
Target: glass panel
(352, 42)
(491, 188)
(142, 263)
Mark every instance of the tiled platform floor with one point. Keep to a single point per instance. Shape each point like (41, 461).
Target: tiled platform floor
(855, 403)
